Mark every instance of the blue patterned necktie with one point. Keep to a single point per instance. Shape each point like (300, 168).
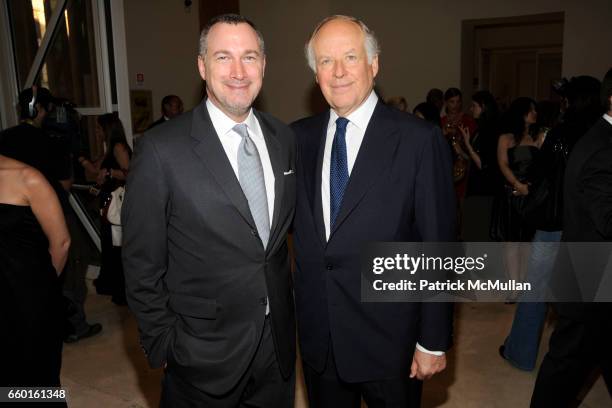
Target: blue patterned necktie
(338, 170)
(251, 178)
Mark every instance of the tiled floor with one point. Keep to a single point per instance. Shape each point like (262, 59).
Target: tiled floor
(109, 370)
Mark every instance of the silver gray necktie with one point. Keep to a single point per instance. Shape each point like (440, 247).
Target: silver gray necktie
(251, 178)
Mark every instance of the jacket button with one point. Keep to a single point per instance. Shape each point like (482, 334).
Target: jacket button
(330, 267)
(263, 301)
(254, 232)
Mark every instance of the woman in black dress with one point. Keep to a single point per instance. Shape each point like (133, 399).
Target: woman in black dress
(517, 155)
(111, 173)
(34, 245)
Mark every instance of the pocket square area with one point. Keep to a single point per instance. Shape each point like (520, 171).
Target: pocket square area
(288, 172)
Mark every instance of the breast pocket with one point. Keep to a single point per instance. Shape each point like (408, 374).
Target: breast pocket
(198, 315)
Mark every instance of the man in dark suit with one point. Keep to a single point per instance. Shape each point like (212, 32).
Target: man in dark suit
(583, 333)
(210, 197)
(366, 172)
(171, 107)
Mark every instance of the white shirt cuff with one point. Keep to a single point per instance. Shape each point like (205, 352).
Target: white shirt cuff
(424, 350)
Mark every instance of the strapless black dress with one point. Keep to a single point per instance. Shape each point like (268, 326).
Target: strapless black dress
(30, 303)
(507, 224)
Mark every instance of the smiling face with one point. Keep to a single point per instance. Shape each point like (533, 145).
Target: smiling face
(233, 68)
(343, 72)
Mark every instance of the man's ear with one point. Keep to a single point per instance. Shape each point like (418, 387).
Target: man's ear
(374, 66)
(202, 67)
(263, 67)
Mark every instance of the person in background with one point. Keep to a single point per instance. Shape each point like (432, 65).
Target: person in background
(518, 151)
(435, 97)
(584, 109)
(111, 170)
(582, 336)
(34, 244)
(484, 176)
(428, 112)
(38, 142)
(450, 122)
(171, 107)
(398, 102)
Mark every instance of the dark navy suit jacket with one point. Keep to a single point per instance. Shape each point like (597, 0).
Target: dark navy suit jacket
(400, 189)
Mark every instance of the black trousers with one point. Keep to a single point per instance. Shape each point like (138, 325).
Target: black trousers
(328, 390)
(581, 342)
(261, 386)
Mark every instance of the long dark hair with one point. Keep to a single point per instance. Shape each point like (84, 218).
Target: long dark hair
(489, 118)
(514, 118)
(113, 131)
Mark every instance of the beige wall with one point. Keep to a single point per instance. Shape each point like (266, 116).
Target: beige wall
(162, 41)
(421, 42)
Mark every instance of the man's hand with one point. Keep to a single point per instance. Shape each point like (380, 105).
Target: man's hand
(425, 365)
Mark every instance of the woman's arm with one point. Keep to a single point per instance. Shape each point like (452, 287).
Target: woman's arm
(88, 165)
(123, 159)
(465, 132)
(505, 142)
(48, 212)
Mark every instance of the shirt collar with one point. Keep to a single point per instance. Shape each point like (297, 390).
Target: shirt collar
(361, 116)
(608, 118)
(223, 123)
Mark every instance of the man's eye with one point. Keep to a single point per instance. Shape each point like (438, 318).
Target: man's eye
(351, 58)
(324, 62)
(250, 58)
(222, 57)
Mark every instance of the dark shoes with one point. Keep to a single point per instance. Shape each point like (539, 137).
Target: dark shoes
(91, 331)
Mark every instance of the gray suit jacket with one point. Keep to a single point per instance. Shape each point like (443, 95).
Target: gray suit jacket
(197, 275)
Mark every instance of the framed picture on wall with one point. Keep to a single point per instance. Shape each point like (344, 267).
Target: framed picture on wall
(141, 101)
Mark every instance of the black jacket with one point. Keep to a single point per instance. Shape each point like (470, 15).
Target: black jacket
(197, 275)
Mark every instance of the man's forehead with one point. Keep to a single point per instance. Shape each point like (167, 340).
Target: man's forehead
(224, 33)
(344, 34)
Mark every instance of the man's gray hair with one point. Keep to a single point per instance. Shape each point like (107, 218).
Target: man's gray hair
(234, 19)
(370, 42)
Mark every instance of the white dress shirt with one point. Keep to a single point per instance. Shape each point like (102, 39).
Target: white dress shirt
(230, 139)
(355, 131)
(231, 142)
(608, 118)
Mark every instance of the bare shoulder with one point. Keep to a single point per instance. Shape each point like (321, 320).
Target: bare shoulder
(15, 178)
(506, 140)
(32, 179)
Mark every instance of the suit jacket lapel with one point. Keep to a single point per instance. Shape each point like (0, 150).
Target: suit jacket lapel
(276, 159)
(316, 177)
(208, 148)
(376, 150)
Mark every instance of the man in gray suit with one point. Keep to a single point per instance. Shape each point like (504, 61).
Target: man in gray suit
(210, 197)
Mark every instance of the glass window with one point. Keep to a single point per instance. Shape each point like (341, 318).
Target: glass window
(29, 24)
(69, 67)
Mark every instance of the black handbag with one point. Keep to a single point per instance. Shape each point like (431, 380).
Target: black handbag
(530, 206)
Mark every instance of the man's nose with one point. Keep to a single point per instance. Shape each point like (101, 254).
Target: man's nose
(237, 69)
(339, 69)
